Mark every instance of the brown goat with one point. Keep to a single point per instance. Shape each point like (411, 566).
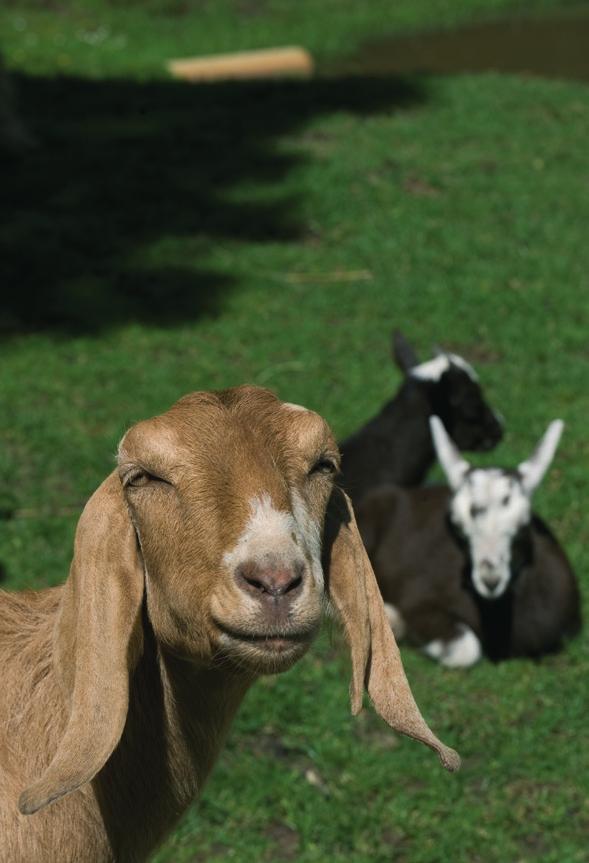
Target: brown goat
(198, 565)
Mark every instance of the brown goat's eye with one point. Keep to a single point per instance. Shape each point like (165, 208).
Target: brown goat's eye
(138, 478)
(324, 465)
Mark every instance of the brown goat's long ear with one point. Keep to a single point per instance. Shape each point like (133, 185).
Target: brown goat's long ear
(98, 639)
(376, 662)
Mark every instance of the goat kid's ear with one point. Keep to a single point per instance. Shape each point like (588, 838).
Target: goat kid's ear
(98, 640)
(454, 466)
(403, 354)
(532, 471)
(376, 662)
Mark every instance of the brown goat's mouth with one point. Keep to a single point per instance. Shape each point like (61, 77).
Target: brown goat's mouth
(275, 641)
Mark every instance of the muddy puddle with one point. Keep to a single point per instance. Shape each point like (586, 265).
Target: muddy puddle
(555, 46)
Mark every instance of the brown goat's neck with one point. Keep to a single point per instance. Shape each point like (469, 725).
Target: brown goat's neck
(200, 703)
(179, 716)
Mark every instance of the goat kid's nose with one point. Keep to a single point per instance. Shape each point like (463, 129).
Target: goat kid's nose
(270, 582)
(491, 580)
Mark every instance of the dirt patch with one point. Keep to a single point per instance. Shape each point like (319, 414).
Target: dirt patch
(398, 843)
(269, 744)
(216, 850)
(419, 187)
(552, 46)
(285, 842)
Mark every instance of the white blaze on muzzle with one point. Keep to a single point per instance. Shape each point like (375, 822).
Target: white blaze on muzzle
(272, 536)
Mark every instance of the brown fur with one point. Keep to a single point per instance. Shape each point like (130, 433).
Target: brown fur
(120, 686)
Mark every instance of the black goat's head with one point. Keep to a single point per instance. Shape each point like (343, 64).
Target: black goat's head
(455, 395)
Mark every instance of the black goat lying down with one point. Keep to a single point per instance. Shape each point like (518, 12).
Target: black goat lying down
(395, 446)
(470, 570)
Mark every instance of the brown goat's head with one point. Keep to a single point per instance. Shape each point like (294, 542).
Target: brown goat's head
(228, 494)
(222, 517)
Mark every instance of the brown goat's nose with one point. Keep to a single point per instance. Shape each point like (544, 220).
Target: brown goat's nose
(270, 581)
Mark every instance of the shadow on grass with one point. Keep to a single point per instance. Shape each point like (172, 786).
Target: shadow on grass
(123, 165)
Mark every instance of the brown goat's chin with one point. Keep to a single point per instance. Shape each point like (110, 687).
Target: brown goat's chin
(264, 653)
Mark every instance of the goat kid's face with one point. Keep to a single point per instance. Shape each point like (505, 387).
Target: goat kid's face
(491, 507)
(228, 502)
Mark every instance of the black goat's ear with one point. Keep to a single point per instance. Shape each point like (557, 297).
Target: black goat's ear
(403, 354)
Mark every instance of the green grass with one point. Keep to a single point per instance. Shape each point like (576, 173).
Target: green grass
(166, 238)
(106, 38)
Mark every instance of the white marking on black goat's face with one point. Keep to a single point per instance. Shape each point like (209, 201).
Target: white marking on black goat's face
(432, 370)
(489, 507)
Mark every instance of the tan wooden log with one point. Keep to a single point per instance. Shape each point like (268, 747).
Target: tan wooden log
(271, 63)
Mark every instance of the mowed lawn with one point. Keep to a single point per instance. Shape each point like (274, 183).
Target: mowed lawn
(165, 238)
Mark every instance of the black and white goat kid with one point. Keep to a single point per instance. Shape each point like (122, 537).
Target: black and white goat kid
(396, 446)
(471, 570)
